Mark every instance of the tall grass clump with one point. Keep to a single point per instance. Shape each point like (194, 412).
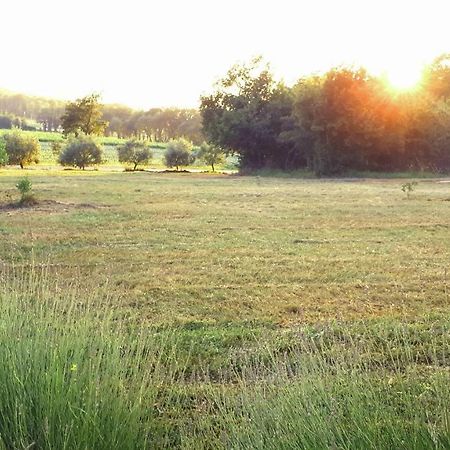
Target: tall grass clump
(384, 387)
(79, 374)
(72, 376)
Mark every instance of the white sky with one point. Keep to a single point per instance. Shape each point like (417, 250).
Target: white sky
(166, 53)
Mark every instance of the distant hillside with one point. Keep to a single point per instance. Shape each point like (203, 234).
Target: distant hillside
(158, 124)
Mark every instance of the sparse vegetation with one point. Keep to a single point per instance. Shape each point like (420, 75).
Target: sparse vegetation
(409, 187)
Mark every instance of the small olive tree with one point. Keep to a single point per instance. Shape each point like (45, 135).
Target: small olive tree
(211, 155)
(25, 187)
(3, 154)
(81, 152)
(179, 153)
(22, 149)
(134, 152)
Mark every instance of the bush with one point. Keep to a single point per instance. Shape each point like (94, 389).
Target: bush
(3, 154)
(134, 152)
(179, 153)
(22, 149)
(25, 188)
(81, 152)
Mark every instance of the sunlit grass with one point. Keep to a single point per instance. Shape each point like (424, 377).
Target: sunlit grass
(76, 375)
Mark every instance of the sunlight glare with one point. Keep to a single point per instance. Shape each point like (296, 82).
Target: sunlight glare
(404, 78)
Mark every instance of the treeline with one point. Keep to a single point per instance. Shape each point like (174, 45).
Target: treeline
(157, 124)
(343, 120)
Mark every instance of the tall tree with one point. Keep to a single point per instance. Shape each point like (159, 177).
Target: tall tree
(245, 115)
(84, 115)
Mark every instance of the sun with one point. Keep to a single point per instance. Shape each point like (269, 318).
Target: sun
(404, 78)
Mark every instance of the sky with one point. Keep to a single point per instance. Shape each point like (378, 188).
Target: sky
(167, 53)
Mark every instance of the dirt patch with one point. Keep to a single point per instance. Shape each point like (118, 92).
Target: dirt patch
(48, 206)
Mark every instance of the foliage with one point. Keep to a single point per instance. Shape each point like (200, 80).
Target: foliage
(81, 152)
(56, 148)
(211, 154)
(134, 152)
(25, 187)
(178, 153)
(156, 124)
(343, 120)
(84, 115)
(3, 154)
(409, 187)
(22, 149)
(246, 114)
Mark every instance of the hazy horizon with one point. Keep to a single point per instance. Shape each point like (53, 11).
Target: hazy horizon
(168, 53)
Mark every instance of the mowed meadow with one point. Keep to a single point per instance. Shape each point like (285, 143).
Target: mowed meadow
(190, 310)
(219, 248)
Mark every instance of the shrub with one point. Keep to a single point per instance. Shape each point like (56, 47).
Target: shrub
(179, 153)
(25, 188)
(81, 152)
(22, 149)
(3, 154)
(408, 188)
(134, 152)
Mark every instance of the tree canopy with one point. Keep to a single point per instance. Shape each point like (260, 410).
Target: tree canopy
(179, 153)
(84, 115)
(342, 120)
(21, 149)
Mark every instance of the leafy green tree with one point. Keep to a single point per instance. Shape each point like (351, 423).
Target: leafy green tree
(246, 115)
(437, 77)
(81, 152)
(134, 152)
(22, 149)
(84, 115)
(179, 153)
(3, 154)
(211, 155)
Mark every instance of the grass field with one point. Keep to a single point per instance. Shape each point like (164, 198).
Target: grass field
(264, 312)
